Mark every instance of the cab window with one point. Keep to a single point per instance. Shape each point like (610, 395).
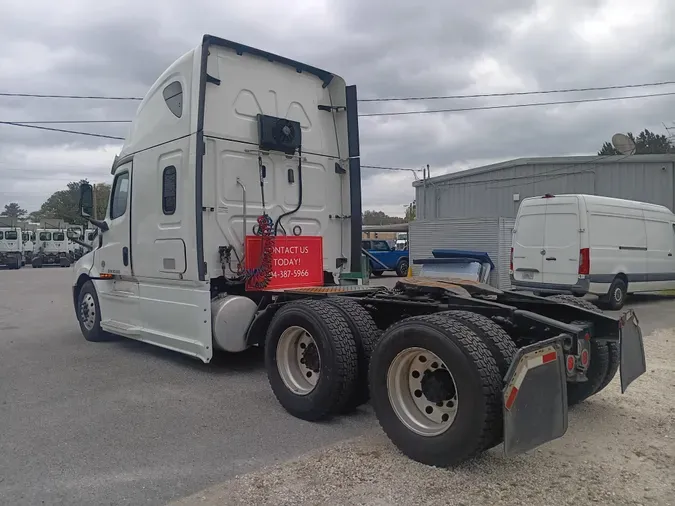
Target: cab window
(1, 235)
(11, 235)
(365, 244)
(59, 236)
(381, 246)
(119, 197)
(45, 236)
(25, 237)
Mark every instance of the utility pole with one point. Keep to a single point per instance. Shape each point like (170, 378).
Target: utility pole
(93, 201)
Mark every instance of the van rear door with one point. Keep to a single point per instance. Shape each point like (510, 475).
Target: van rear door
(528, 241)
(561, 241)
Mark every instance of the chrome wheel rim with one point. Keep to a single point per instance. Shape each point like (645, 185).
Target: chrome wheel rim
(422, 392)
(88, 311)
(618, 295)
(298, 360)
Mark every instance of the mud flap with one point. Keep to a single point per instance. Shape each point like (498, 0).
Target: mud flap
(633, 363)
(535, 397)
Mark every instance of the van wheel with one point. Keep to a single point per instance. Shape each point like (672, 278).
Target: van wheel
(616, 297)
(89, 314)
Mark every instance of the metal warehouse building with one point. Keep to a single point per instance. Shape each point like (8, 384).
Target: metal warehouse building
(475, 208)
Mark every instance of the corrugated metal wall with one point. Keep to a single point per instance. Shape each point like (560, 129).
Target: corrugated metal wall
(492, 235)
(491, 194)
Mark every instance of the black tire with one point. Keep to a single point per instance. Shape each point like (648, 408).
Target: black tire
(476, 377)
(402, 268)
(616, 296)
(599, 368)
(501, 346)
(336, 347)
(94, 334)
(377, 274)
(614, 355)
(36, 263)
(366, 335)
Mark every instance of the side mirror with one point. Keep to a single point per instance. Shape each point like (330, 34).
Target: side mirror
(86, 200)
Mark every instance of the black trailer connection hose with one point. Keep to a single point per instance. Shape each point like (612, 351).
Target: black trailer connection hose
(293, 211)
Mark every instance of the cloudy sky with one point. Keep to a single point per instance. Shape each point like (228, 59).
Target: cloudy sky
(387, 48)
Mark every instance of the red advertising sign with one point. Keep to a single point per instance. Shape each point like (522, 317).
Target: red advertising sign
(297, 261)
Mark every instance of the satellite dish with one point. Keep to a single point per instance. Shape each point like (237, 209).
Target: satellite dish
(623, 144)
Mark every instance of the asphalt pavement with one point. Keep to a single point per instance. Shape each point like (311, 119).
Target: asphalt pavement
(128, 423)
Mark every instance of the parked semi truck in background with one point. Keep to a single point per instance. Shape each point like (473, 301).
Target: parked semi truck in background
(11, 245)
(234, 216)
(53, 246)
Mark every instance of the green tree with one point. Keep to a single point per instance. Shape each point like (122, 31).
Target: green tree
(411, 212)
(380, 218)
(645, 143)
(102, 194)
(13, 210)
(64, 204)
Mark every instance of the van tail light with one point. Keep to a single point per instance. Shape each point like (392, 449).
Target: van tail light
(584, 261)
(511, 261)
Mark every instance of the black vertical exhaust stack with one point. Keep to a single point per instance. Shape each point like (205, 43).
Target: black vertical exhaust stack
(354, 177)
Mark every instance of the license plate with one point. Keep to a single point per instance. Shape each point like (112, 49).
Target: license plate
(528, 275)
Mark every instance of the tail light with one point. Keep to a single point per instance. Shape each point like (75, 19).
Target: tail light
(511, 261)
(584, 261)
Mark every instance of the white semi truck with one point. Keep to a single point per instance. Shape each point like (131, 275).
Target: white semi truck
(234, 215)
(52, 246)
(11, 245)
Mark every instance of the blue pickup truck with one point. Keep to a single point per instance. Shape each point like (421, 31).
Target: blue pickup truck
(383, 257)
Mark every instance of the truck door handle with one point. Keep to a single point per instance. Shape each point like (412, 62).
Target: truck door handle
(551, 258)
(670, 254)
(125, 256)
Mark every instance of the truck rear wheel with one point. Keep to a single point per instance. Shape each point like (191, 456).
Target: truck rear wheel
(602, 367)
(436, 389)
(311, 359)
(366, 335)
(499, 343)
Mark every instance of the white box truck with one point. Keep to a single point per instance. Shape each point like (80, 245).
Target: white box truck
(581, 244)
(236, 208)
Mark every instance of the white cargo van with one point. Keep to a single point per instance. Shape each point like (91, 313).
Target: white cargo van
(588, 244)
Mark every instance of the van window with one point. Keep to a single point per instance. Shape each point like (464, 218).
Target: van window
(169, 190)
(59, 236)
(11, 235)
(173, 96)
(119, 197)
(45, 236)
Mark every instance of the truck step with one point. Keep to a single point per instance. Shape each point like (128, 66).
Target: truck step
(124, 329)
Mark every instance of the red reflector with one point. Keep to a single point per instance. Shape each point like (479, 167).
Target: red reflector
(512, 398)
(584, 358)
(511, 261)
(587, 337)
(549, 357)
(570, 363)
(584, 261)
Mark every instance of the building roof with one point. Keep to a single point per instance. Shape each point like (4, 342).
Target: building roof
(519, 162)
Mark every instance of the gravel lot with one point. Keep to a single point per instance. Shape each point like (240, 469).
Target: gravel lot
(126, 423)
(618, 450)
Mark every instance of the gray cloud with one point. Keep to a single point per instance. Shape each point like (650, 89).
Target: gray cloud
(386, 48)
